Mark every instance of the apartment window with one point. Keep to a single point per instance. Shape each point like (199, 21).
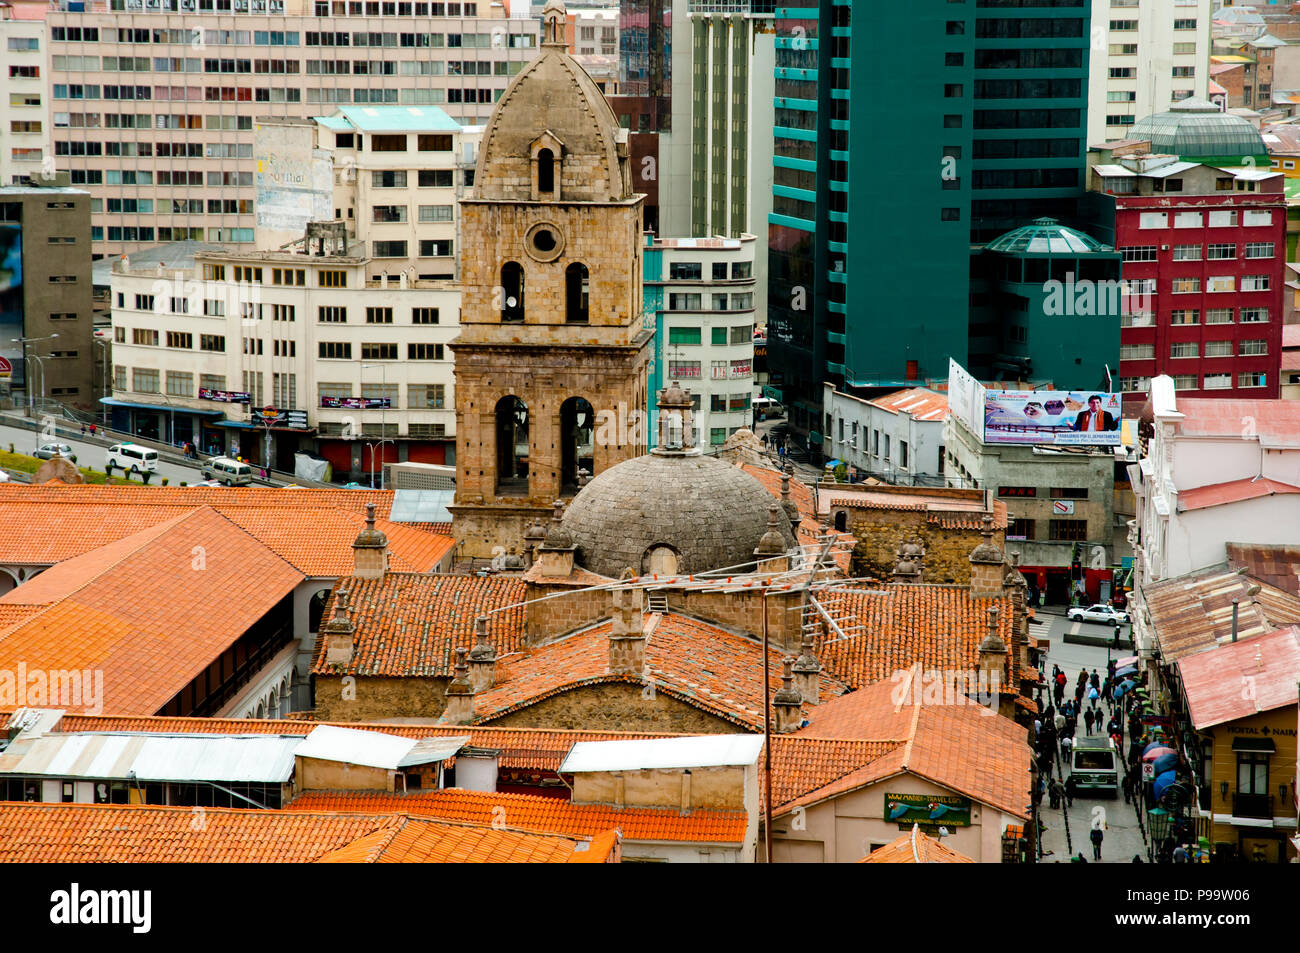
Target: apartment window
(285, 348)
(1259, 249)
(1021, 529)
(1254, 282)
(246, 273)
(388, 179)
(144, 380)
(181, 339)
(1184, 349)
(424, 315)
(685, 271)
(1186, 286)
(1218, 252)
(1187, 253)
(435, 213)
(383, 214)
(424, 352)
(1068, 530)
(1187, 219)
(435, 178)
(332, 314)
(436, 247)
(718, 370)
(119, 377)
(1254, 315)
(1251, 219)
(1184, 24)
(1218, 316)
(1251, 379)
(324, 390)
(332, 279)
(180, 384)
(336, 350)
(212, 342)
(1153, 220)
(718, 336)
(1134, 385)
(1220, 283)
(252, 345)
(379, 315)
(387, 143)
(684, 336)
(1185, 316)
(285, 390)
(1184, 382)
(1218, 349)
(1223, 218)
(379, 352)
(389, 249)
(145, 336)
(282, 312)
(1140, 253)
(1218, 382)
(1135, 319)
(289, 276)
(1184, 72)
(1252, 348)
(144, 302)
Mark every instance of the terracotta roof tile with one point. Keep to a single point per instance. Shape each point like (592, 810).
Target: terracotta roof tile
(120, 833)
(150, 611)
(410, 624)
(701, 664)
(533, 813)
(915, 847)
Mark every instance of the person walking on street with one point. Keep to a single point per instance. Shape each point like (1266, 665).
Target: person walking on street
(1094, 680)
(1087, 722)
(1096, 838)
(83, 430)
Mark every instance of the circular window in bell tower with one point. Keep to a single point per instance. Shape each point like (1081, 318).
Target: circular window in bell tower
(544, 242)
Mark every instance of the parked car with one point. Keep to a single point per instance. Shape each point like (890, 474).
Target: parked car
(227, 471)
(131, 458)
(47, 450)
(1106, 615)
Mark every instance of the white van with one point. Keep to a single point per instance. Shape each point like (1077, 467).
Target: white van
(1094, 766)
(132, 459)
(766, 407)
(227, 471)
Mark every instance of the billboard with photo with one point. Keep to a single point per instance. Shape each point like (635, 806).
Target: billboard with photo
(1064, 418)
(11, 300)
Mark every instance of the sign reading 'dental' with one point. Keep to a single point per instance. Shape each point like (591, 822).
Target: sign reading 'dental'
(1065, 418)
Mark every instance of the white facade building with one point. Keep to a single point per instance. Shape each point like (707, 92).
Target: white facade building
(898, 438)
(1143, 58)
(700, 293)
(24, 101)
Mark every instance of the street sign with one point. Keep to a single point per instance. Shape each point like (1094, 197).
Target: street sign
(1062, 507)
(6, 368)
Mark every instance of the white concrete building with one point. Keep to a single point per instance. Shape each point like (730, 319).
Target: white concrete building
(1143, 58)
(700, 294)
(24, 100)
(1215, 471)
(898, 438)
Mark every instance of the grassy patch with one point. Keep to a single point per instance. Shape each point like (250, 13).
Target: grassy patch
(22, 463)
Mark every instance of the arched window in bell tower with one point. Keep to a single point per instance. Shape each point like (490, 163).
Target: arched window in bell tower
(577, 425)
(576, 285)
(545, 171)
(512, 291)
(512, 446)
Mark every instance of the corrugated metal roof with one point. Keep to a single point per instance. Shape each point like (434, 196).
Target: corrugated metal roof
(375, 748)
(1269, 664)
(1171, 169)
(1114, 170)
(253, 759)
(703, 752)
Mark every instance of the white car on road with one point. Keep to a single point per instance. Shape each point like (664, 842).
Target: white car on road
(1102, 613)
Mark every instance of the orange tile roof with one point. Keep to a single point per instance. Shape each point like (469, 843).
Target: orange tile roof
(132, 833)
(801, 763)
(151, 611)
(949, 508)
(915, 847)
(802, 494)
(891, 628)
(410, 624)
(313, 529)
(965, 747)
(701, 664)
(530, 812)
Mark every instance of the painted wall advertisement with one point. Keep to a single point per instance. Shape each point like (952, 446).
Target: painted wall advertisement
(11, 301)
(1063, 418)
(927, 809)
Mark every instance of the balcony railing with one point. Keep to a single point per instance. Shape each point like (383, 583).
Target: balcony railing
(1252, 805)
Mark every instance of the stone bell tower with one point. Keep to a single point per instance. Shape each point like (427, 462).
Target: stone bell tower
(552, 359)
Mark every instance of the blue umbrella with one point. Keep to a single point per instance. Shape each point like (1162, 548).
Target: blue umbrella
(1126, 670)
(1166, 762)
(1162, 782)
(834, 463)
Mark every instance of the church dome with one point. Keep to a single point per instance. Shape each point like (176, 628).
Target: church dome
(1195, 129)
(553, 105)
(671, 513)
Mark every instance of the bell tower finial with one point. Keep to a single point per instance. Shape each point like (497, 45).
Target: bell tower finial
(555, 21)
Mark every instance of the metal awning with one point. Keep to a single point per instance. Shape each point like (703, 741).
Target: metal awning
(165, 408)
(248, 759)
(376, 749)
(1259, 745)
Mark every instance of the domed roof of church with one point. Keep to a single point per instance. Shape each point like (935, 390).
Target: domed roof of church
(554, 97)
(709, 513)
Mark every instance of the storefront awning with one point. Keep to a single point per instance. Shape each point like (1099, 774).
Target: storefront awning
(1261, 745)
(164, 408)
(245, 425)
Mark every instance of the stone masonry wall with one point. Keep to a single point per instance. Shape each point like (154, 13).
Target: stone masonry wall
(947, 551)
(616, 707)
(377, 699)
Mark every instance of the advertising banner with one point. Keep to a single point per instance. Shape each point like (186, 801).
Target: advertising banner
(11, 301)
(356, 403)
(909, 809)
(224, 396)
(1063, 418)
(966, 399)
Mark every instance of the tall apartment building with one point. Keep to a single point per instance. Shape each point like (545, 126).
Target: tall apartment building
(46, 325)
(989, 139)
(1144, 57)
(593, 31)
(25, 99)
(153, 109)
(1204, 252)
(341, 327)
(644, 101)
(699, 292)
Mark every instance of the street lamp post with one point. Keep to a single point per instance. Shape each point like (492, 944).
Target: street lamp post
(107, 389)
(383, 429)
(24, 341)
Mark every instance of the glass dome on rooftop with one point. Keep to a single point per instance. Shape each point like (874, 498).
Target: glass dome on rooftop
(1046, 237)
(1194, 128)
